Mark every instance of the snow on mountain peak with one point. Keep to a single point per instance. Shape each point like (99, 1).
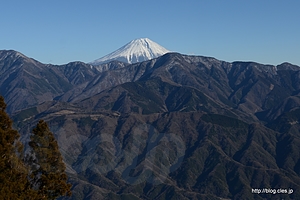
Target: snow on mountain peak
(137, 50)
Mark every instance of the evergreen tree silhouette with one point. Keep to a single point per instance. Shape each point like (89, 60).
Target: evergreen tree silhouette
(48, 169)
(13, 172)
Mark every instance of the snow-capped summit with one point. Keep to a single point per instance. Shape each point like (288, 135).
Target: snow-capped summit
(137, 50)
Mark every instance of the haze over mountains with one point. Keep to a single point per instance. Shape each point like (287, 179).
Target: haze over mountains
(173, 127)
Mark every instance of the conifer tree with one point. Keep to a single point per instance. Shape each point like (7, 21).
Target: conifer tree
(48, 175)
(13, 172)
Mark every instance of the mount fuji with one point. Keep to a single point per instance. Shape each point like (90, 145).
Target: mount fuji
(137, 50)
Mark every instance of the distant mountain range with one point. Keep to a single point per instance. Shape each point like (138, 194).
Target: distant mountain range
(173, 127)
(137, 50)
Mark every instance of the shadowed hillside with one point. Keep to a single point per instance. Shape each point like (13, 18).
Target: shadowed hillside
(175, 127)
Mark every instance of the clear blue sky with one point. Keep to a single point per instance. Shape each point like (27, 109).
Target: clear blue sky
(61, 31)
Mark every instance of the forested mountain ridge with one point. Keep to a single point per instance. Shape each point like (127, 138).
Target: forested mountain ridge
(207, 129)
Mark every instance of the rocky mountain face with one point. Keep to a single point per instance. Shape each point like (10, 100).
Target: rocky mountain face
(25, 82)
(174, 127)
